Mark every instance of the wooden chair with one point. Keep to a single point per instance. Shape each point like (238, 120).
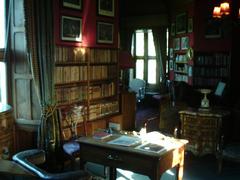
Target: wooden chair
(71, 147)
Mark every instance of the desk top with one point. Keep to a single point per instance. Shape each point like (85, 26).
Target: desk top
(211, 113)
(168, 143)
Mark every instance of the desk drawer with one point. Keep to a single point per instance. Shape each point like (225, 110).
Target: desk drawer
(118, 158)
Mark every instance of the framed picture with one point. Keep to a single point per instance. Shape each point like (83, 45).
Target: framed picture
(190, 25)
(74, 4)
(71, 28)
(106, 7)
(176, 43)
(184, 43)
(104, 32)
(181, 23)
(173, 29)
(213, 29)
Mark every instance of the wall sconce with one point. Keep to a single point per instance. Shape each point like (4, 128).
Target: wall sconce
(223, 10)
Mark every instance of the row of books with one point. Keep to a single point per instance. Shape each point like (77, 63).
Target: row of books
(213, 60)
(67, 74)
(102, 72)
(102, 55)
(207, 82)
(69, 54)
(77, 54)
(103, 90)
(71, 94)
(103, 109)
(181, 77)
(211, 72)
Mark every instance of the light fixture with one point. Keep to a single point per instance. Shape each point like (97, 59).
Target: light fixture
(223, 10)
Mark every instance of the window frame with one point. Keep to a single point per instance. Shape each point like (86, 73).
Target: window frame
(2, 53)
(145, 57)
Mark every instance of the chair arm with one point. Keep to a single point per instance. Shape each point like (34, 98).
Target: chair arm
(27, 159)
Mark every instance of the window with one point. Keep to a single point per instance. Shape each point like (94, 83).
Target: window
(143, 50)
(2, 24)
(3, 87)
(3, 93)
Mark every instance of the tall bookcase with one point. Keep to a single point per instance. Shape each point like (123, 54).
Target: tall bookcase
(86, 84)
(209, 68)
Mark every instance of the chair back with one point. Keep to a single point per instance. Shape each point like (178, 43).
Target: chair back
(138, 86)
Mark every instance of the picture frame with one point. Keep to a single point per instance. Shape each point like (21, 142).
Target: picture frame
(190, 25)
(73, 4)
(185, 43)
(106, 7)
(181, 23)
(71, 28)
(176, 43)
(105, 32)
(173, 32)
(213, 29)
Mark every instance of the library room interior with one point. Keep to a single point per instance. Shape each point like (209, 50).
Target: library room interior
(119, 89)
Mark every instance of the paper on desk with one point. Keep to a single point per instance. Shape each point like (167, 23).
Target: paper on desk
(125, 141)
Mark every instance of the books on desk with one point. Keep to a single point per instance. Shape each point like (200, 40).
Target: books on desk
(125, 141)
(101, 135)
(151, 147)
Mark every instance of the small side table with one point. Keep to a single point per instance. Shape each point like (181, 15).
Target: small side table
(202, 129)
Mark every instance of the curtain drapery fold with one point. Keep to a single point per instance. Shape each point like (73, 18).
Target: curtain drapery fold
(40, 46)
(159, 37)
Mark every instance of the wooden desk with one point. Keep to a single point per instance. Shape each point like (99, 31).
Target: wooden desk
(129, 158)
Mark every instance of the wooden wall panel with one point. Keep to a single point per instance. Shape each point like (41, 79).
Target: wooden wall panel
(20, 58)
(25, 103)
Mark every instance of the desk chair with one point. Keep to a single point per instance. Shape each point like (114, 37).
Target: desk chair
(33, 159)
(70, 146)
(138, 86)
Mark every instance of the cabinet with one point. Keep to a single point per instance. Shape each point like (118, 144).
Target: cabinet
(128, 110)
(86, 85)
(209, 68)
(202, 129)
(6, 131)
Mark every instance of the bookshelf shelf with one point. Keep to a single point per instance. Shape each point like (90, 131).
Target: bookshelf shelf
(209, 68)
(88, 81)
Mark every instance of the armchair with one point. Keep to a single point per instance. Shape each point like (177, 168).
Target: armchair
(138, 86)
(33, 159)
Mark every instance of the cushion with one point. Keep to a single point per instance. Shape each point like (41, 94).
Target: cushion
(71, 147)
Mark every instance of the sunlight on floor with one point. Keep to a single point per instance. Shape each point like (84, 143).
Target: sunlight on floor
(128, 175)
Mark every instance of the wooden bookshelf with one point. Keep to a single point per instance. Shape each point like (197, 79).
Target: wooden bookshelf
(87, 80)
(210, 68)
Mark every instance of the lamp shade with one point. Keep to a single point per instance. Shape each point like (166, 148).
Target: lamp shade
(126, 60)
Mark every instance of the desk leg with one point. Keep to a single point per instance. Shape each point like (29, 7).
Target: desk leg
(113, 173)
(179, 169)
